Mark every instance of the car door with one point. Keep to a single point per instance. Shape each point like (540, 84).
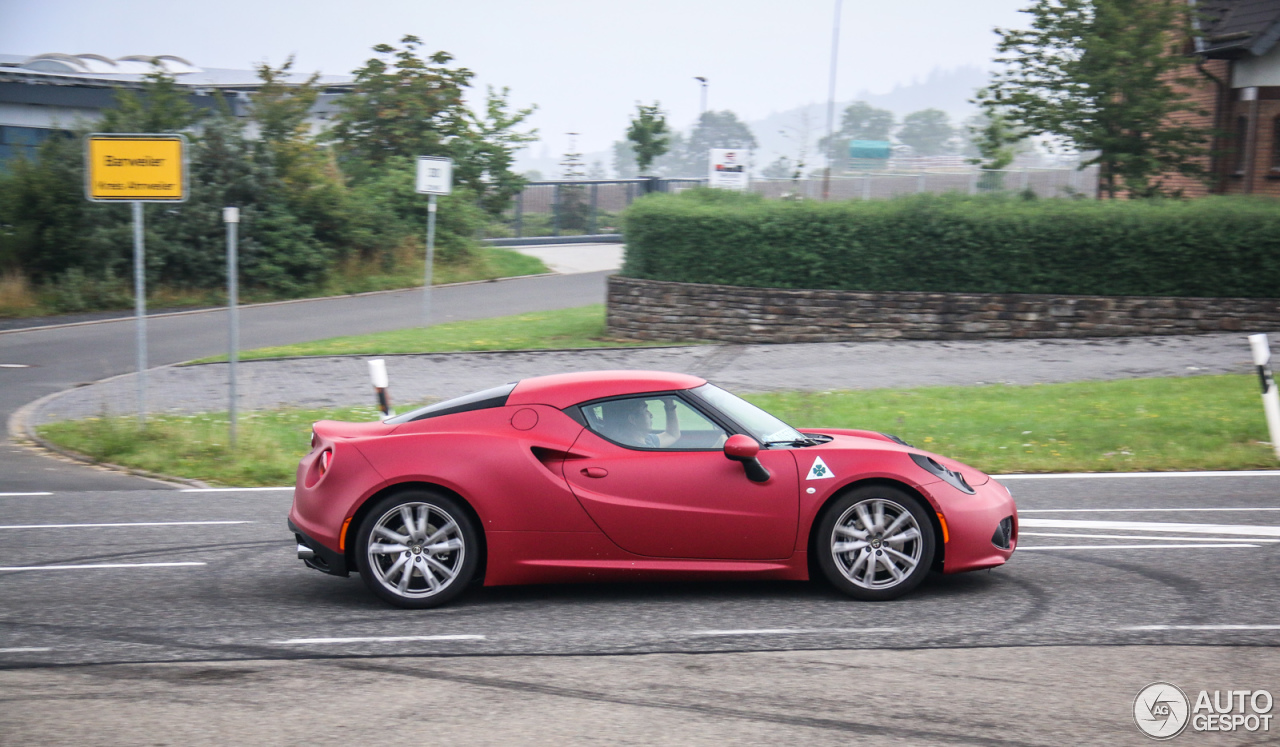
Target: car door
(681, 498)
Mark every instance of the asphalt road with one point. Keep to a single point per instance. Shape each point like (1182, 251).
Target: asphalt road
(222, 603)
(60, 358)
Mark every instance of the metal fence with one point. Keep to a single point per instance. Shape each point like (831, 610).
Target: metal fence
(593, 207)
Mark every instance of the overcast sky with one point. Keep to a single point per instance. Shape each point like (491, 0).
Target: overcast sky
(583, 62)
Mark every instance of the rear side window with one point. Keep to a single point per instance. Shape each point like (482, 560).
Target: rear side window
(495, 397)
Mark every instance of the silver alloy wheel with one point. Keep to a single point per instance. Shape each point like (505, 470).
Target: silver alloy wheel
(416, 550)
(876, 543)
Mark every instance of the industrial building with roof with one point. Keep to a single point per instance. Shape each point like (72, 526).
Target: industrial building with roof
(48, 93)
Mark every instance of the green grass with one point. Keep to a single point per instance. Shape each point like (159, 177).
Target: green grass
(582, 327)
(268, 448)
(1203, 422)
(19, 299)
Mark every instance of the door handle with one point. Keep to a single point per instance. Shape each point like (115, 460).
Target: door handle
(595, 471)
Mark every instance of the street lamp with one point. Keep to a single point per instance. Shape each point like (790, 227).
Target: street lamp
(702, 81)
(831, 104)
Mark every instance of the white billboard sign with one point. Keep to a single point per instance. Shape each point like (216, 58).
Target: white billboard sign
(435, 175)
(728, 168)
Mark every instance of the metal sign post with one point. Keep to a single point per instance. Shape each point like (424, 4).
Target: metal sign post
(435, 177)
(136, 169)
(1270, 396)
(231, 216)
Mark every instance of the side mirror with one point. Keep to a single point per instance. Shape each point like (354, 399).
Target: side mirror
(744, 449)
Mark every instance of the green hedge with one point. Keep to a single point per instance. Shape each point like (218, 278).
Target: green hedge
(1208, 247)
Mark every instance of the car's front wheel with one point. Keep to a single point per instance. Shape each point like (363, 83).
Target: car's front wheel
(875, 543)
(417, 549)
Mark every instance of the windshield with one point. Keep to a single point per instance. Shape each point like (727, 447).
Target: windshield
(759, 424)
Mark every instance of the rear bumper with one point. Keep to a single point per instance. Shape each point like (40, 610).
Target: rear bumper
(323, 559)
(972, 522)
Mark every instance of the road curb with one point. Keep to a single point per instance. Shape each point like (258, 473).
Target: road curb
(23, 434)
(191, 364)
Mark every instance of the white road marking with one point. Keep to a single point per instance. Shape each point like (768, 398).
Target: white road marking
(1125, 547)
(1106, 475)
(1130, 510)
(1202, 627)
(789, 631)
(1153, 526)
(126, 524)
(14, 365)
(380, 639)
(230, 490)
(93, 565)
(26, 650)
(1138, 537)
(16, 495)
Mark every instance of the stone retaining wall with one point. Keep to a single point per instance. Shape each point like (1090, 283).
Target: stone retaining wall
(657, 310)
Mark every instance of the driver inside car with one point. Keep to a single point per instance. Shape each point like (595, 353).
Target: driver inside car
(630, 422)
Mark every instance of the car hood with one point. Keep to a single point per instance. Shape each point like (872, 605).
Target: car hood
(860, 439)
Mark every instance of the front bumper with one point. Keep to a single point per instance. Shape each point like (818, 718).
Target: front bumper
(974, 525)
(322, 558)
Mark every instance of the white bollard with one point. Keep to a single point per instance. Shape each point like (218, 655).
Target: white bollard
(1270, 396)
(378, 373)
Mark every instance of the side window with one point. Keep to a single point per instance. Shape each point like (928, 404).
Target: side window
(654, 422)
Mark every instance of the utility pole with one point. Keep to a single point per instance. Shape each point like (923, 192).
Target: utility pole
(831, 103)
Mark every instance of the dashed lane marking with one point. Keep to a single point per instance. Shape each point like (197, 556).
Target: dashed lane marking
(24, 650)
(378, 639)
(1153, 526)
(232, 490)
(1110, 475)
(19, 495)
(118, 525)
(1129, 547)
(1131, 510)
(1139, 537)
(789, 631)
(1201, 627)
(90, 566)
(122, 524)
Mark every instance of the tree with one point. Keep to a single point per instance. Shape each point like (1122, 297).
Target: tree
(1104, 76)
(403, 106)
(995, 142)
(926, 131)
(860, 121)
(720, 129)
(648, 135)
(157, 107)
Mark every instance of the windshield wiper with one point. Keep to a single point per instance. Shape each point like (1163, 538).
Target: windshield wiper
(794, 442)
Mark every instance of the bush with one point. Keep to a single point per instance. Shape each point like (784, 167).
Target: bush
(1223, 247)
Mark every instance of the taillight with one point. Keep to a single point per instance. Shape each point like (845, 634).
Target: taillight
(326, 458)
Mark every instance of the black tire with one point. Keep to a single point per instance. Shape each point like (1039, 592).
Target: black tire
(848, 570)
(434, 578)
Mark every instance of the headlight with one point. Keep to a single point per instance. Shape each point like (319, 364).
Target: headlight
(954, 479)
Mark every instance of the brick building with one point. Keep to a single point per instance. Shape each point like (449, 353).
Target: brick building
(1236, 50)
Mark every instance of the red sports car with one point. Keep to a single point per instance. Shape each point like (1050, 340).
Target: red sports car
(633, 475)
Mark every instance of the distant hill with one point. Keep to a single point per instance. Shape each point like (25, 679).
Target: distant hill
(948, 90)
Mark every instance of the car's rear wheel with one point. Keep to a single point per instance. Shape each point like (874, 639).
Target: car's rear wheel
(875, 542)
(417, 549)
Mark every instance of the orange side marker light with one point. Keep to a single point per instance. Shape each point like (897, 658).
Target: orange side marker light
(946, 536)
(342, 536)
